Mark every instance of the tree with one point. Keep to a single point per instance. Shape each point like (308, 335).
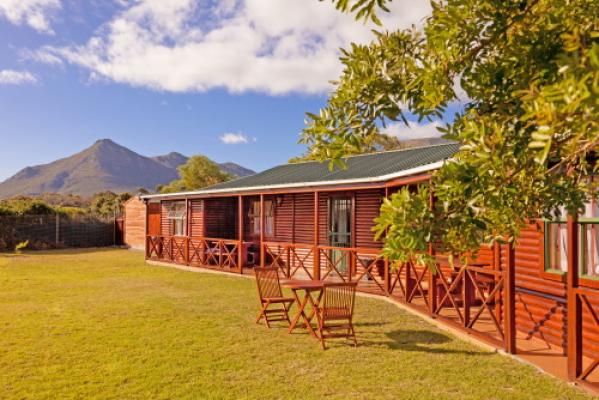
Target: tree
(378, 142)
(529, 129)
(108, 203)
(196, 173)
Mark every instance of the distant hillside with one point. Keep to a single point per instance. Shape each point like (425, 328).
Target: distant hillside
(104, 166)
(174, 160)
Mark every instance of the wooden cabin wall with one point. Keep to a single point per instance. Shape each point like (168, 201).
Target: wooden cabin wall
(196, 223)
(541, 316)
(284, 219)
(165, 223)
(536, 315)
(304, 218)
(368, 204)
(221, 217)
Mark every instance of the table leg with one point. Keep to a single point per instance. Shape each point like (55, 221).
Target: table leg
(300, 312)
(308, 318)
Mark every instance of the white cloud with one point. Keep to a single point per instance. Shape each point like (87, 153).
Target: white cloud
(35, 13)
(40, 56)
(233, 138)
(414, 131)
(11, 77)
(273, 47)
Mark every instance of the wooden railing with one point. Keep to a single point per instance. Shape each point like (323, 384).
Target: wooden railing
(293, 260)
(222, 254)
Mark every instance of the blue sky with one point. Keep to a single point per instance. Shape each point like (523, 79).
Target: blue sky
(231, 79)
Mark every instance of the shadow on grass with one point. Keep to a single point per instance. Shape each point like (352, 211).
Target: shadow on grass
(417, 340)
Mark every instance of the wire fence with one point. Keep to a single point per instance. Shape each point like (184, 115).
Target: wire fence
(58, 231)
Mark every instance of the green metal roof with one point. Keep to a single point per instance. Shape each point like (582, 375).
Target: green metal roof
(358, 167)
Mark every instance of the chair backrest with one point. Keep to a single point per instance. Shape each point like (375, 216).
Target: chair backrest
(338, 300)
(268, 282)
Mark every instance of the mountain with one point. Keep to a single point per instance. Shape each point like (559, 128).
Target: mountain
(174, 160)
(104, 166)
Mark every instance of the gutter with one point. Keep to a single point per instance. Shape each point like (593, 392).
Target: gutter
(382, 178)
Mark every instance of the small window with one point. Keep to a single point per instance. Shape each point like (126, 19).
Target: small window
(269, 218)
(589, 239)
(556, 249)
(177, 218)
(556, 242)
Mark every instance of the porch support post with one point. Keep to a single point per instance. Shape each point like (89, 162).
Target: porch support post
(510, 299)
(387, 276)
(187, 229)
(574, 303)
(262, 260)
(432, 278)
(316, 273)
(241, 250)
(146, 229)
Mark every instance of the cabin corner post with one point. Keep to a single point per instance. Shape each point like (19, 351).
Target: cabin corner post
(509, 296)
(316, 272)
(574, 341)
(241, 249)
(262, 252)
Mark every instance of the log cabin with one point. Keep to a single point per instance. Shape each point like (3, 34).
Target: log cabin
(316, 223)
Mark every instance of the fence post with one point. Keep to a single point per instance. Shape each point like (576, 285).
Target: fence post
(57, 233)
(574, 303)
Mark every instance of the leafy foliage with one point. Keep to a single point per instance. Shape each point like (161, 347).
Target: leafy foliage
(529, 127)
(198, 172)
(21, 246)
(108, 203)
(25, 206)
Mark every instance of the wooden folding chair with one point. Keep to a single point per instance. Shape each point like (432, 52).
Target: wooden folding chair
(269, 290)
(336, 311)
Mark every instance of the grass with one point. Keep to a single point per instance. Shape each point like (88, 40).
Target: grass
(102, 324)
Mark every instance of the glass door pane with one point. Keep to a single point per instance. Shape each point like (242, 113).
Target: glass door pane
(340, 231)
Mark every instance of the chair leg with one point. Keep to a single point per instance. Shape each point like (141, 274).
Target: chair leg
(262, 314)
(353, 335)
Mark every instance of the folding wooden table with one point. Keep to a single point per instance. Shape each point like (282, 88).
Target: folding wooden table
(308, 287)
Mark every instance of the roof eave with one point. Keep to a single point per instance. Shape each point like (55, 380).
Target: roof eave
(382, 178)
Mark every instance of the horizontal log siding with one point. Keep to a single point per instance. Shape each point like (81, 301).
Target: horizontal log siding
(368, 204)
(304, 218)
(284, 219)
(536, 315)
(165, 223)
(221, 217)
(196, 224)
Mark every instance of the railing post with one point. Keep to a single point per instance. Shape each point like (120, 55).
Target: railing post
(262, 252)
(509, 303)
(574, 303)
(432, 277)
(187, 250)
(241, 248)
(387, 277)
(316, 273)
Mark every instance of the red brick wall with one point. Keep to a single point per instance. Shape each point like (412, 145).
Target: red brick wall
(135, 223)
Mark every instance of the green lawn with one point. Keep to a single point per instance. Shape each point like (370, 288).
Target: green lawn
(102, 324)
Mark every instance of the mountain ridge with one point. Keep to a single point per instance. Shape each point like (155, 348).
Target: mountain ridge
(103, 166)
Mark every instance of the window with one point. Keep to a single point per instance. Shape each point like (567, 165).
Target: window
(269, 218)
(177, 218)
(556, 243)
